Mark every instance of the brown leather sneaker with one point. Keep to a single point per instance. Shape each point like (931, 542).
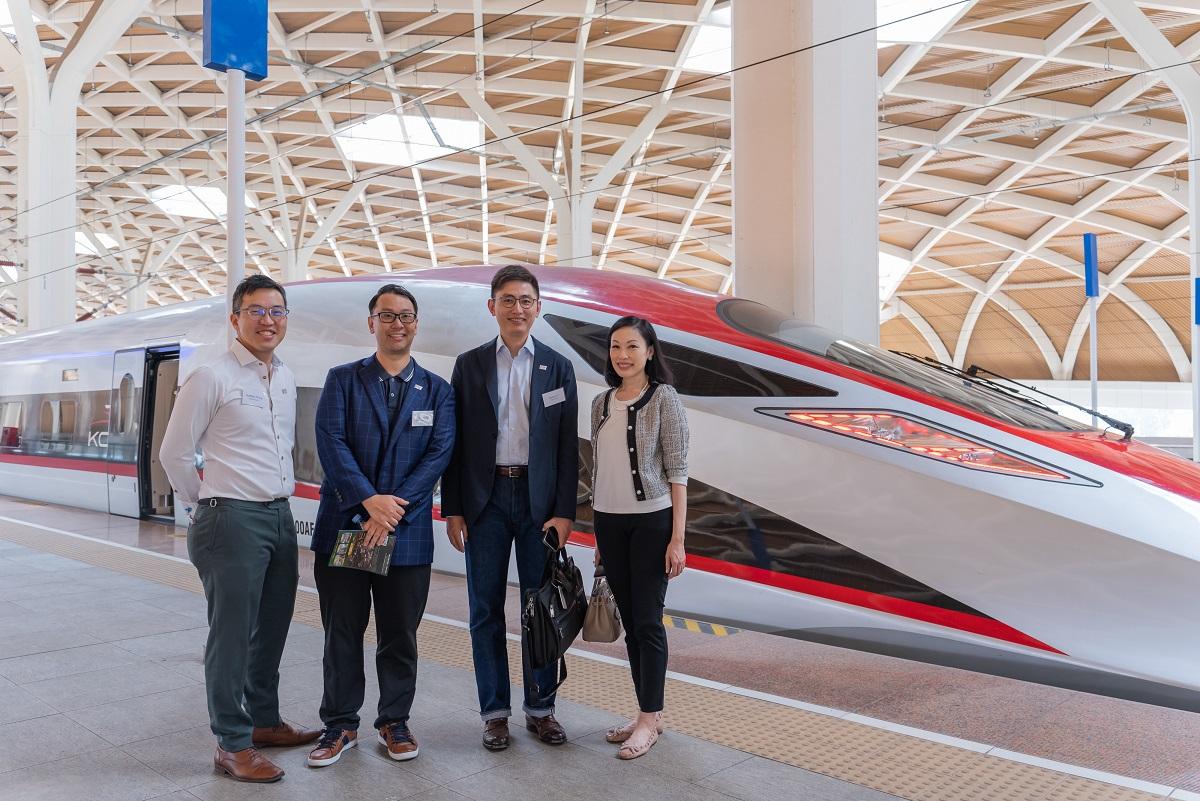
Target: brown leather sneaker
(547, 729)
(398, 740)
(247, 765)
(284, 735)
(495, 734)
(331, 745)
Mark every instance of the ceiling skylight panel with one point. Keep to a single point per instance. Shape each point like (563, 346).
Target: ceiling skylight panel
(712, 49)
(84, 246)
(200, 202)
(892, 270)
(408, 139)
(913, 21)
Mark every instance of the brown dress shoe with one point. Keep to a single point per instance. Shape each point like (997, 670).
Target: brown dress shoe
(329, 750)
(547, 729)
(398, 740)
(495, 734)
(247, 765)
(284, 735)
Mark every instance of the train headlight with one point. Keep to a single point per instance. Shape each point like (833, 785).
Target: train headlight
(920, 438)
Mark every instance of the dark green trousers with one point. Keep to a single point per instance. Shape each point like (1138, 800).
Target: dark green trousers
(245, 553)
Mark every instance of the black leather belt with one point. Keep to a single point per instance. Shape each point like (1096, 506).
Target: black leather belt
(511, 471)
(218, 501)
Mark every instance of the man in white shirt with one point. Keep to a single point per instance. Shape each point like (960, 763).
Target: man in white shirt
(240, 411)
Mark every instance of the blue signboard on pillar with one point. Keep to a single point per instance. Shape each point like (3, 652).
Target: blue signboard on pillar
(235, 36)
(1091, 267)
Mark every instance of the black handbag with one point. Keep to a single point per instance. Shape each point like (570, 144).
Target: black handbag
(553, 614)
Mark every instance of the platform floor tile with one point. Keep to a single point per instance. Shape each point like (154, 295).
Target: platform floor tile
(123, 715)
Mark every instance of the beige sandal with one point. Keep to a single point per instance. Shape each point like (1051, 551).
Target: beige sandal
(636, 749)
(619, 734)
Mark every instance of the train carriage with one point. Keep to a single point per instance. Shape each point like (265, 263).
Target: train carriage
(838, 492)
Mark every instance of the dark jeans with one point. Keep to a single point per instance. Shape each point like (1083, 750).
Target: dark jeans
(245, 553)
(633, 549)
(346, 596)
(489, 542)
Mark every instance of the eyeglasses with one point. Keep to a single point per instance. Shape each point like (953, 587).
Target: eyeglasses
(387, 317)
(276, 312)
(508, 301)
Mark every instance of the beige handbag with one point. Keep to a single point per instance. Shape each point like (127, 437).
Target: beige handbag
(603, 621)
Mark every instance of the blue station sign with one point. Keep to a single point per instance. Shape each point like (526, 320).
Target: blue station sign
(235, 36)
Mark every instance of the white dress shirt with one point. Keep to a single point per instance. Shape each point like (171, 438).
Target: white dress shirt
(512, 388)
(242, 417)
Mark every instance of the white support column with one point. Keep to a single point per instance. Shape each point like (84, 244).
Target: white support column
(137, 295)
(1181, 76)
(805, 175)
(46, 142)
(235, 185)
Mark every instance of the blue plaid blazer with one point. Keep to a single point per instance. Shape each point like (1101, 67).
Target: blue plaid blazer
(361, 458)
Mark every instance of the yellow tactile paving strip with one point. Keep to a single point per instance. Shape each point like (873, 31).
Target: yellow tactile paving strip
(890, 762)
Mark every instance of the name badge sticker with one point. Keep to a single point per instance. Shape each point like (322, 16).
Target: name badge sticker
(554, 397)
(254, 399)
(422, 418)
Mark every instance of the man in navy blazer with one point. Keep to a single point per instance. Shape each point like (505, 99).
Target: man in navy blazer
(514, 475)
(385, 433)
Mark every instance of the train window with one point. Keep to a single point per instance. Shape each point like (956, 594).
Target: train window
(767, 323)
(47, 417)
(10, 414)
(697, 373)
(123, 411)
(66, 416)
(57, 417)
(10, 424)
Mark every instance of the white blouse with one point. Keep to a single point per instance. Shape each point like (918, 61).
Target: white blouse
(614, 493)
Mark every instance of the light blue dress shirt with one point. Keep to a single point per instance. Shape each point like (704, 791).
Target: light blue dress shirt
(512, 388)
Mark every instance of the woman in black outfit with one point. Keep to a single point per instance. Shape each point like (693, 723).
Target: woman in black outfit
(639, 482)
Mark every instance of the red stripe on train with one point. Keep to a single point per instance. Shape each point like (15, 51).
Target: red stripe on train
(948, 618)
(874, 601)
(72, 463)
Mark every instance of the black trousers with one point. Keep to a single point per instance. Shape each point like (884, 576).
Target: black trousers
(346, 596)
(633, 549)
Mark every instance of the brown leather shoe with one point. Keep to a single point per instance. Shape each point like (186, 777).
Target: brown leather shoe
(495, 734)
(329, 750)
(247, 765)
(547, 729)
(398, 740)
(284, 735)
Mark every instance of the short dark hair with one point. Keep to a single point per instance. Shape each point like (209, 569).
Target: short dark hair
(656, 368)
(391, 289)
(514, 272)
(253, 283)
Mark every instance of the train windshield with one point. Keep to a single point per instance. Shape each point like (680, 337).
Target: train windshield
(766, 323)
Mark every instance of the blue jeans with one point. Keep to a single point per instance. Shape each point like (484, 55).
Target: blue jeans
(505, 519)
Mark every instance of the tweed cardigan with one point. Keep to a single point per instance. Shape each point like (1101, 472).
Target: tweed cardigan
(657, 434)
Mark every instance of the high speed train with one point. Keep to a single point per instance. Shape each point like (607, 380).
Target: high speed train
(838, 492)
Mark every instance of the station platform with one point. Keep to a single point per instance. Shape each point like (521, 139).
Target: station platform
(102, 626)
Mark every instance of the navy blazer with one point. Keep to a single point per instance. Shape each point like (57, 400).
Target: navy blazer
(553, 436)
(352, 431)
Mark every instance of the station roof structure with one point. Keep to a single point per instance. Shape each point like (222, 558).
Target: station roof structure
(1007, 129)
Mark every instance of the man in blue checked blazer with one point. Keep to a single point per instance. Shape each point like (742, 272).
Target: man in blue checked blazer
(385, 433)
(514, 476)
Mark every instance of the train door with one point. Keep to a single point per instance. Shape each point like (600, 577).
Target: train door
(162, 385)
(123, 435)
